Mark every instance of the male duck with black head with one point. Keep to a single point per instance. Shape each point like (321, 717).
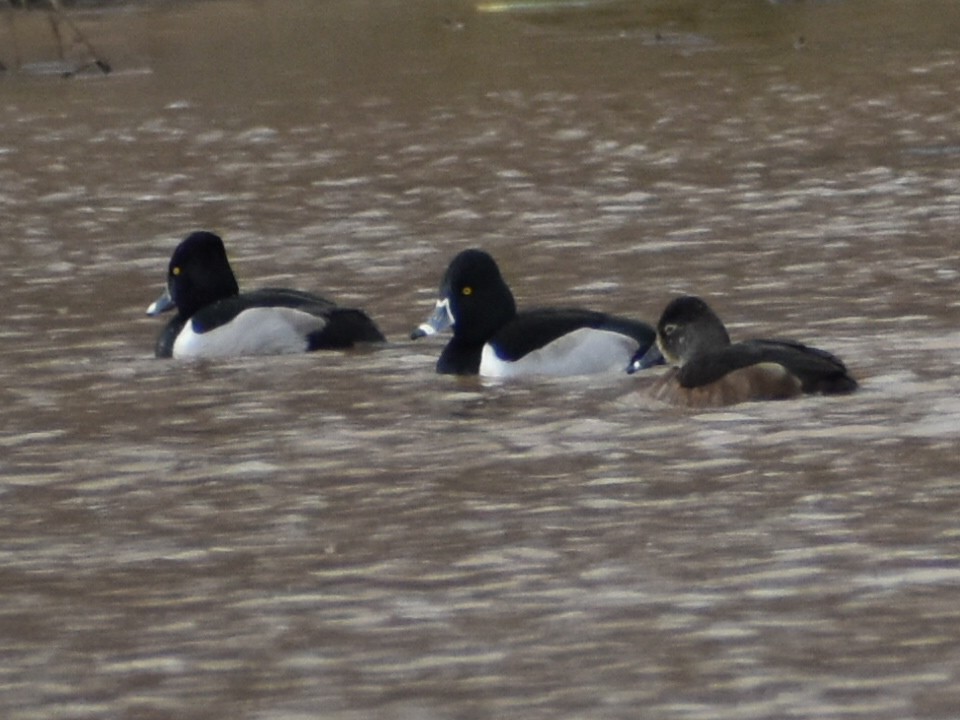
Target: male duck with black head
(214, 319)
(709, 370)
(492, 339)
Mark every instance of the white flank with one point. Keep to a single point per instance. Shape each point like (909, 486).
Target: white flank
(583, 352)
(257, 331)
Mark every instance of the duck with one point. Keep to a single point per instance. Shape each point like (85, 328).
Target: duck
(214, 319)
(710, 370)
(492, 339)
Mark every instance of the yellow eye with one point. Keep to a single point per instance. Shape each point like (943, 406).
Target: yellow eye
(467, 290)
(175, 271)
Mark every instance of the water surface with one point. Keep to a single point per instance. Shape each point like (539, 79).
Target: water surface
(349, 535)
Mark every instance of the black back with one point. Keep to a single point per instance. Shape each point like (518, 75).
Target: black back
(533, 329)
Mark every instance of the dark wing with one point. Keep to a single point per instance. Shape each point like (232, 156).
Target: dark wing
(223, 311)
(284, 297)
(341, 329)
(344, 328)
(533, 329)
(817, 370)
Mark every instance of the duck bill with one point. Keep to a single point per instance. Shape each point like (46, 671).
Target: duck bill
(648, 359)
(441, 319)
(161, 304)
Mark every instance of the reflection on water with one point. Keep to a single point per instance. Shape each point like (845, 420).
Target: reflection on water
(350, 534)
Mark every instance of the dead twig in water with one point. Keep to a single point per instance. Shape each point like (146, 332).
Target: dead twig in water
(57, 17)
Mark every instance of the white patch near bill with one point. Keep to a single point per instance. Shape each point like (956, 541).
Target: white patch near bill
(583, 352)
(257, 331)
(441, 319)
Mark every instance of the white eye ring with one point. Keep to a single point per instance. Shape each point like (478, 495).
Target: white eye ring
(669, 328)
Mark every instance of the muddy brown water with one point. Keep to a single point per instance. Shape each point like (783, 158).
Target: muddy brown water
(348, 535)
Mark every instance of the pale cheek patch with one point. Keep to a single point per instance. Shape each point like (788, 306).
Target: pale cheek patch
(583, 352)
(257, 331)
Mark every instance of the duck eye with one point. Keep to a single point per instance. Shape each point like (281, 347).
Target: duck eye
(467, 290)
(669, 329)
(175, 270)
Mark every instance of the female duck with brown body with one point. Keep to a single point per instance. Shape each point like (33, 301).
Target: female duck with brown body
(709, 370)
